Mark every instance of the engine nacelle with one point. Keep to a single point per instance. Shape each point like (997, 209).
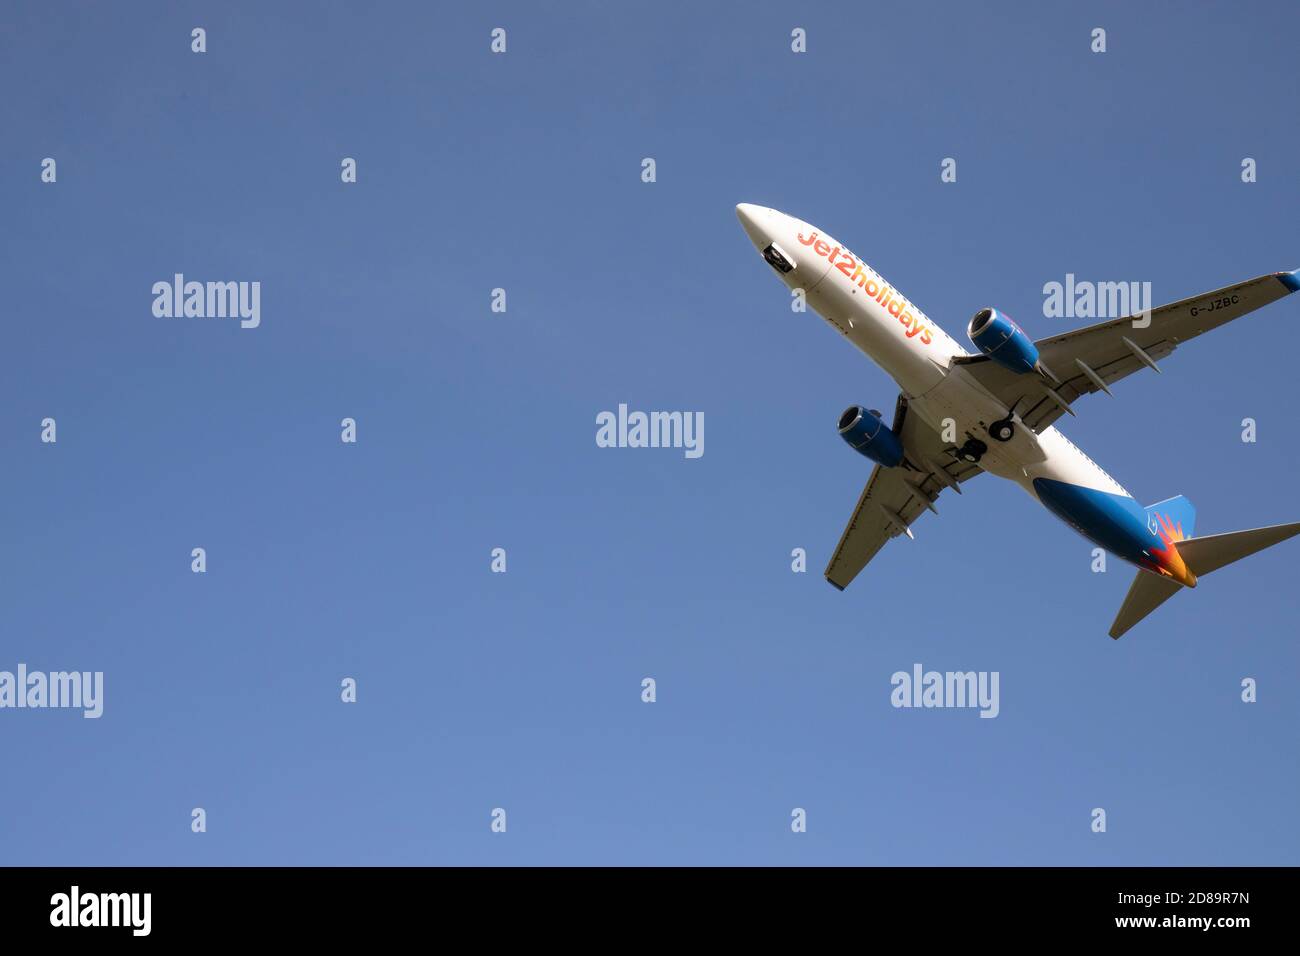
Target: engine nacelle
(864, 430)
(1004, 342)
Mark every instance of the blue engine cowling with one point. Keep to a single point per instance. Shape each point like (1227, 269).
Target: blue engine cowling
(998, 337)
(865, 432)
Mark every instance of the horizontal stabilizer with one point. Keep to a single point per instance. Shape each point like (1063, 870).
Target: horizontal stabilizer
(1215, 551)
(1147, 592)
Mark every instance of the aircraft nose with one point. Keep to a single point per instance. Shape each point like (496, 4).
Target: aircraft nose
(753, 219)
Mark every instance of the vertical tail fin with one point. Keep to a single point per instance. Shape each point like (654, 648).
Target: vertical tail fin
(1178, 511)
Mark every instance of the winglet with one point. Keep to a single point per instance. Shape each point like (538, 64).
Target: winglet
(1290, 279)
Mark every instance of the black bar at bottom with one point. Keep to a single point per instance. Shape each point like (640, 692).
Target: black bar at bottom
(333, 905)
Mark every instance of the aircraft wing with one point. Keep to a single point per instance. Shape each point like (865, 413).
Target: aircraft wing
(1115, 349)
(895, 497)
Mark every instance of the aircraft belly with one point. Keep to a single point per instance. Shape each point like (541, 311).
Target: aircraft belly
(958, 409)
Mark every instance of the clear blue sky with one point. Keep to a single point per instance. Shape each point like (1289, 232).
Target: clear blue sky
(477, 430)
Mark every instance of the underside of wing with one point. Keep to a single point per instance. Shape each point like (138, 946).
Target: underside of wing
(1091, 359)
(895, 497)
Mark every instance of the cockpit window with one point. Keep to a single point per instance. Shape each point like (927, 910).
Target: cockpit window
(777, 259)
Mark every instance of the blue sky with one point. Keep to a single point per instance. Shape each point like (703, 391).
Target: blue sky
(476, 431)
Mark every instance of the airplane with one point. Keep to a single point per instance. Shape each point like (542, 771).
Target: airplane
(958, 413)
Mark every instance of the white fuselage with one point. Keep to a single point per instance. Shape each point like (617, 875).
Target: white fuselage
(878, 319)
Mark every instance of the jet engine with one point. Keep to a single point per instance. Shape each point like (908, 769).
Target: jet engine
(1004, 342)
(867, 433)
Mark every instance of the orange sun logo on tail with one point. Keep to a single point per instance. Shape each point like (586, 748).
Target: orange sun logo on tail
(1167, 559)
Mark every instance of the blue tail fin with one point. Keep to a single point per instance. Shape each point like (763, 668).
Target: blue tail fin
(1178, 511)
